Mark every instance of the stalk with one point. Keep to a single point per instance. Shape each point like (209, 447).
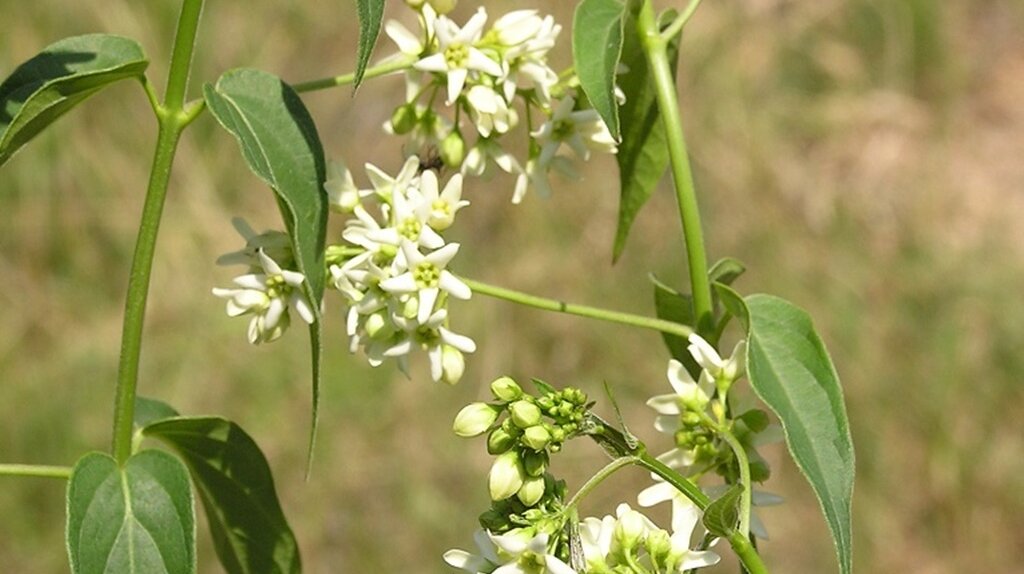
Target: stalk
(655, 48)
(172, 120)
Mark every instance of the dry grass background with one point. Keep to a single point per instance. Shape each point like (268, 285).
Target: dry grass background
(864, 157)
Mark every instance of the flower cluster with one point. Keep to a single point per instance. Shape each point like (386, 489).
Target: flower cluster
(618, 543)
(392, 267)
(534, 428)
(627, 543)
(483, 72)
(682, 413)
(271, 288)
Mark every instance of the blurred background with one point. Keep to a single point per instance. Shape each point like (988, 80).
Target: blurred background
(865, 158)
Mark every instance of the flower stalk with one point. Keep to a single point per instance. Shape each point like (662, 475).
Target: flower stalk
(578, 310)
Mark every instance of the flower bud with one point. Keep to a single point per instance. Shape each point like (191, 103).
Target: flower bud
(507, 390)
(536, 437)
(535, 463)
(630, 528)
(506, 476)
(658, 545)
(375, 324)
(532, 490)
(499, 441)
(453, 364)
(524, 414)
(443, 6)
(411, 307)
(475, 419)
(453, 149)
(404, 119)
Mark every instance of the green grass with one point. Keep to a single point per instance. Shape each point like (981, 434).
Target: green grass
(861, 158)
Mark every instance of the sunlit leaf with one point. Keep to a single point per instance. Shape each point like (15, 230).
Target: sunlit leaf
(793, 374)
(57, 79)
(138, 519)
(280, 143)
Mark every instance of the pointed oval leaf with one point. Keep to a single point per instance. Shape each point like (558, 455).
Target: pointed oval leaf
(596, 49)
(151, 410)
(248, 527)
(280, 143)
(643, 153)
(791, 371)
(371, 13)
(723, 514)
(133, 520)
(57, 79)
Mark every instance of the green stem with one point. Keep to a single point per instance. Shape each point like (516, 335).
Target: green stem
(598, 478)
(346, 79)
(655, 47)
(579, 310)
(744, 464)
(677, 25)
(36, 471)
(739, 542)
(747, 554)
(682, 484)
(172, 120)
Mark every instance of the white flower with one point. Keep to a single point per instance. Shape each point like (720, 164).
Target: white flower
(385, 185)
(708, 358)
(427, 277)
(520, 555)
(596, 539)
(268, 297)
(581, 130)
(688, 393)
(490, 111)
(409, 43)
(457, 54)
(485, 562)
(342, 192)
(489, 149)
(441, 206)
(276, 244)
(432, 336)
(685, 516)
(536, 175)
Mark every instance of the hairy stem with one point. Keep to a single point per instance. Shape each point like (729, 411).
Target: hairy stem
(655, 48)
(35, 471)
(172, 120)
(579, 310)
(744, 464)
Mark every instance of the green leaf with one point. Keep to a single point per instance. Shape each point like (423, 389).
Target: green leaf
(670, 305)
(543, 387)
(596, 48)
(280, 143)
(371, 13)
(726, 270)
(791, 371)
(133, 520)
(643, 154)
(723, 514)
(248, 527)
(57, 79)
(151, 410)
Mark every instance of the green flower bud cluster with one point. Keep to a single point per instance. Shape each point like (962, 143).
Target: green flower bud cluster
(523, 431)
(542, 516)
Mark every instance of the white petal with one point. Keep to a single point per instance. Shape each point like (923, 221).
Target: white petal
(699, 560)
(252, 281)
(432, 63)
(460, 342)
(477, 60)
(436, 367)
(303, 309)
(665, 404)
(427, 298)
(273, 314)
(456, 80)
(454, 286)
(556, 566)
(407, 41)
(404, 283)
(465, 561)
(655, 494)
(269, 265)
